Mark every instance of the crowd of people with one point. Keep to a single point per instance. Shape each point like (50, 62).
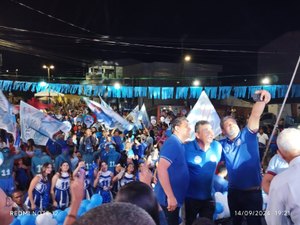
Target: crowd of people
(155, 168)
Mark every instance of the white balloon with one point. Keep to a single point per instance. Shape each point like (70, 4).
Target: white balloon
(162, 119)
(45, 218)
(222, 198)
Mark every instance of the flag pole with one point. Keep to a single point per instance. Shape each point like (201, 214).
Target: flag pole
(280, 111)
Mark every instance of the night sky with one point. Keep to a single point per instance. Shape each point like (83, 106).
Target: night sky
(140, 30)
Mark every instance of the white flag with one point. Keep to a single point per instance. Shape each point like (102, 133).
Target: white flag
(204, 110)
(7, 118)
(133, 116)
(144, 116)
(38, 126)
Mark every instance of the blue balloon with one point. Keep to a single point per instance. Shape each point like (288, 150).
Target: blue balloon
(84, 203)
(219, 208)
(56, 212)
(61, 216)
(67, 210)
(16, 222)
(81, 211)
(26, 219)
(90, 206)
(96, 199)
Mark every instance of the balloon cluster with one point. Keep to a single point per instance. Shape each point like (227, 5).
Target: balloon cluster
(58, 216)
(222, 209)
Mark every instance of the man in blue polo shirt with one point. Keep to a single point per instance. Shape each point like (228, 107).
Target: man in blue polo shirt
(202, 155)
(241, 154)
(172, 170)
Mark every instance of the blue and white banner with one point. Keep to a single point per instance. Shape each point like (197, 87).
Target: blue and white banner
(144, 116)
(133, 116)
(7, 118)
(88, 120)
(104, 104)
(37, 125)
(204, 110)
(107, 116)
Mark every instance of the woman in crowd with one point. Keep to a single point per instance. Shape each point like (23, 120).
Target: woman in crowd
(39, 189)
(103, 182)
(126, 176)
(30, 147)
(60, 187)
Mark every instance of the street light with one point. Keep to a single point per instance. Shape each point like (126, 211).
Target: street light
(187, 58)
(196, 82)
(48, 68)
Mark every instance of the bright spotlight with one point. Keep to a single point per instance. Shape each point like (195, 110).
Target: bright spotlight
(43, 84)
(265, 80)
(117, 85)
(196, 83)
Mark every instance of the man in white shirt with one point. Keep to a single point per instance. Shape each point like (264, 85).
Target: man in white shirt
(284, 199)
(276, 166)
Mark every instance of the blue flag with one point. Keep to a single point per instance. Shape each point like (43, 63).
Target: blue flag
(37, 125)
(107, 116)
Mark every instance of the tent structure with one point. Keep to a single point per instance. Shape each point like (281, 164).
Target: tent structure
(50, 93)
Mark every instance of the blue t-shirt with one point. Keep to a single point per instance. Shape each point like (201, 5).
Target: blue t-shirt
(141, 150)
(112, 159)
(242, 160)
(173, 151)
(202, 166)
(38, 162)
